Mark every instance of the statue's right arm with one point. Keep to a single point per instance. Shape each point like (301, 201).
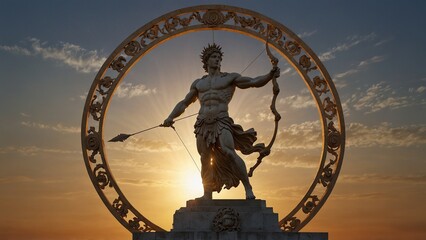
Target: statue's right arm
(182, 105)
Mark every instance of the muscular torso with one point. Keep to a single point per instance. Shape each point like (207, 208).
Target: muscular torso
(215, 93)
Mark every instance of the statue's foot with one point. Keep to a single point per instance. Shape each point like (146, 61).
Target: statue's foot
(250, 194)
(205, 197)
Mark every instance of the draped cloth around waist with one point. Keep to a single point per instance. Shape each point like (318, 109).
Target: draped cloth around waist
(223, 171)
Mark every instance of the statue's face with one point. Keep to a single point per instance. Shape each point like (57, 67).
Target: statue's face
(214, 60)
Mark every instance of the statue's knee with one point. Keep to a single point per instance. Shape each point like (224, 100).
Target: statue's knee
(230, 154)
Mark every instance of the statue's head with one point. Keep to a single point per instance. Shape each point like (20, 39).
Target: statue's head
(207, 52)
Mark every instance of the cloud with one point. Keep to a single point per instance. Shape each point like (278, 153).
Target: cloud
(339, 78)
(24, 115)
(345, 74)
(361, 196)
(375, 59)
(245, 119)
(57, 128)
(128, 90)
(285, 71)
(145, 183)
(384, 135)
(350, 42)
(306, 135)
(307, 34)
(421, 89)
(283, 193)
(382, 42)
(265, 116)
(380, 178)
(293, 159)
(78, 58)
(16, 179)
(16, 50)
(81, 97)
(378, 97)
(298, 101)
(34, 150)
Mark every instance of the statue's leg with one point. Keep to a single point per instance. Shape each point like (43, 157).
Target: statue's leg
(206, 175)
(227, 144)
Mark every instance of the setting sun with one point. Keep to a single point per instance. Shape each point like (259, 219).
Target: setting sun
(193, 187)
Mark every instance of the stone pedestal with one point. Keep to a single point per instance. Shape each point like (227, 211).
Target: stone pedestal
(225, 215)
(226, 220)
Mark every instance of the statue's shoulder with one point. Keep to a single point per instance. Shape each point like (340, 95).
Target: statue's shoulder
(232, 75)
(226, 74)
(196, 81)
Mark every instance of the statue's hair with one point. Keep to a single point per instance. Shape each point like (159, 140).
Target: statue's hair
(208, 51)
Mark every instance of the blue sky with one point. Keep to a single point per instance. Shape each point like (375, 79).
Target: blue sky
(50, 52)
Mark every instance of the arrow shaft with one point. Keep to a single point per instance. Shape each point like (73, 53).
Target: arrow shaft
(162, 125)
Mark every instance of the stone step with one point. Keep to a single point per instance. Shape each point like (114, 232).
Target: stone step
(229, 236)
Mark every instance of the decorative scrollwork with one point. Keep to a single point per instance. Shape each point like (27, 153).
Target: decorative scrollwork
(186, 21)
(335, 155)
(330, 108)
(334, 138)
(132, 48)
(95, 108)
(320, 85)
(291, 224)
(309, 205)
(150, 34)
(171, 25)
(246, 22)
(226, 219)
(274, 33)
(121, 208)
(118, 64)
(135, 225)
(102, 177)
(326, 175)
(213, 18)
(306, 63)
(105, 85)
(93, 142)
(292, 47)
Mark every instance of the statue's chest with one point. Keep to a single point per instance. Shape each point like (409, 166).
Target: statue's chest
(214, 83)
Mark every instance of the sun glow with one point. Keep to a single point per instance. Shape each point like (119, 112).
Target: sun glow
(192, 183)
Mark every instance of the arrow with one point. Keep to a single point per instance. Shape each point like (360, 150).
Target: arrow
(123, 136)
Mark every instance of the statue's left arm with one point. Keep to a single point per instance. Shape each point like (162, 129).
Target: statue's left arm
(260, 81)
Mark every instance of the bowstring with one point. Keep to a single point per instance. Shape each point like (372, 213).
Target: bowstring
(183, 143)
(253, 61)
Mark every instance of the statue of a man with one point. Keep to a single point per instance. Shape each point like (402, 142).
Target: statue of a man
(217, 135)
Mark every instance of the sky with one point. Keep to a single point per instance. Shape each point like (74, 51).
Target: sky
(51, 51)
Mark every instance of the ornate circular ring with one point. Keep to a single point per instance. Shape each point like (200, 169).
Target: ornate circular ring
(199, 18)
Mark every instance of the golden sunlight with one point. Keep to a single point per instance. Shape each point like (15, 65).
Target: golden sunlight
(192, 183)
